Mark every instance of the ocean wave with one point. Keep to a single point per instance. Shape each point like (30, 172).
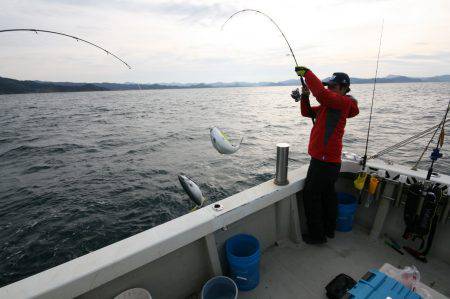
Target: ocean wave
(111, 143)
(35, 169)
(25, 150)
(91, 150)
(7, 140)
(100, 109)
(153, 172)
(100, 121)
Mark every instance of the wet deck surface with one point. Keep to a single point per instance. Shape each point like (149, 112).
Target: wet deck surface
(303, 271)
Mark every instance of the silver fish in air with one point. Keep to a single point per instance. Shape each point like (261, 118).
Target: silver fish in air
(192, 190)
(221, 143)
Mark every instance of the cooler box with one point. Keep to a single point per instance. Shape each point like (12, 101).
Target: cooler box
(377, 285)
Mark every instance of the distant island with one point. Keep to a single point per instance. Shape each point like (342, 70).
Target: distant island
(12, 86)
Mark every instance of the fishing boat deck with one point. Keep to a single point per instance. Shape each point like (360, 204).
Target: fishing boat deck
(302, 271)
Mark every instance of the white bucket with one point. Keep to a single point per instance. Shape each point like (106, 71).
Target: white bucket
(219, 287)
(136, 293)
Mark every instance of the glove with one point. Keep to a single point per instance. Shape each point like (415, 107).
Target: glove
(301, 70)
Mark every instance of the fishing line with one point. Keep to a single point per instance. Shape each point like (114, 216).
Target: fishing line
(373, 97)
(73, 37)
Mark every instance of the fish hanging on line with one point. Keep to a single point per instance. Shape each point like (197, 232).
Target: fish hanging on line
(192, 190)
(221, 142)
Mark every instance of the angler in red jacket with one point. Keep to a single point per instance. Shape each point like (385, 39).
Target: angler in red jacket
(325, 149)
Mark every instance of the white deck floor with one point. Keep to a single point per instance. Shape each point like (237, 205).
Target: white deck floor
(303, 271)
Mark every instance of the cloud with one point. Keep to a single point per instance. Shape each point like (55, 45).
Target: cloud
(181, 40)
(436, 57)
(187, 10)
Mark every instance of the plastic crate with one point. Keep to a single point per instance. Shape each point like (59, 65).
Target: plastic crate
(377, 285)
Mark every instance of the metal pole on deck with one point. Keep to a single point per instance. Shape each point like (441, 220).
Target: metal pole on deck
(281, 170)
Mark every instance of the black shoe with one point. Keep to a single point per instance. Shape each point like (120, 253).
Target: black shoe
(313, 241)
(330, 235)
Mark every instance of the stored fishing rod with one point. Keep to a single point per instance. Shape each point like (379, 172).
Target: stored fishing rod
(302, 81)
(71, 36)
(425, 201)
(373, 97)
(436, 154)
(360, 181)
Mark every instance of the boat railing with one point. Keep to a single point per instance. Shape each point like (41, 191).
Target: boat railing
(92, 270)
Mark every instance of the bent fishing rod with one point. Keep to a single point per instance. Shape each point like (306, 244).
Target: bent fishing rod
(70, 36)
(267, 16)
(282, 33)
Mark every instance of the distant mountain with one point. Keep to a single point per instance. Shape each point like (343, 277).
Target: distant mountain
(10, 86)
(443, 78)
(388, 79)
(401, 79)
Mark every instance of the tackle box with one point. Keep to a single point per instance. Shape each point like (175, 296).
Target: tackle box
(377, 285)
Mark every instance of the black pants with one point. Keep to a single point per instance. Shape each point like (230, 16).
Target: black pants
(319, 198)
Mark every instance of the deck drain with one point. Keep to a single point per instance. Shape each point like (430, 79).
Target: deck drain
(217, 207)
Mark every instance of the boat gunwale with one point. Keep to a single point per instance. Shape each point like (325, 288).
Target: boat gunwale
(96, 268)
(85, 273)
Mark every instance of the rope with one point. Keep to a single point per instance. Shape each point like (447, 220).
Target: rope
(405, 142)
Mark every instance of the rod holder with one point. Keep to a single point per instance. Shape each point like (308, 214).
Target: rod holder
(281, 170)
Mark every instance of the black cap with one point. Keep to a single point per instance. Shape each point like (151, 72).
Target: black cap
(338, 78)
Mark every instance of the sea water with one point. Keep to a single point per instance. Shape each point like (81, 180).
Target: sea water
(79, 171)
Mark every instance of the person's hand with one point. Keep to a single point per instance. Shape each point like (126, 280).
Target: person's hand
(301, 70)
(305, 92)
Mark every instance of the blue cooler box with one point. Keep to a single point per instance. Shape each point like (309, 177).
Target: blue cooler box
(377, 285)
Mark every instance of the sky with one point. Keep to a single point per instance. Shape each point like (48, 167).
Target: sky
(182, 41)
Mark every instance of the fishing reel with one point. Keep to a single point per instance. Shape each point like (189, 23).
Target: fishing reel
(296, 95)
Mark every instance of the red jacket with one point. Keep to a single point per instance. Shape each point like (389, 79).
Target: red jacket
(325, 142)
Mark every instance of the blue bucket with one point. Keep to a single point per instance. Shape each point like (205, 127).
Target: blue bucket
(346, 212)
(243, 256)
(219, 287)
